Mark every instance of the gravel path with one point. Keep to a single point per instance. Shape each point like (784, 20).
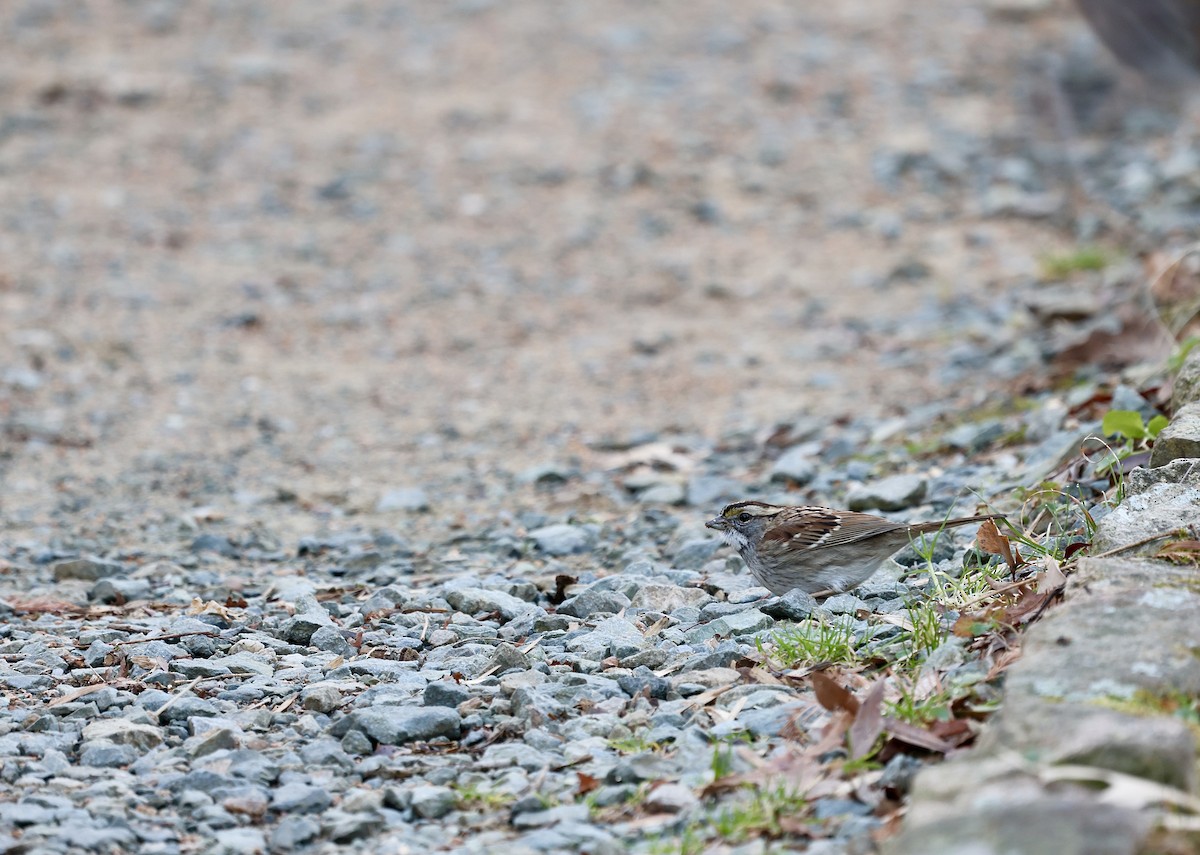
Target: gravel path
(370, 371)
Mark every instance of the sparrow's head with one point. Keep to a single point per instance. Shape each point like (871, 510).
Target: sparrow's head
(743, 523)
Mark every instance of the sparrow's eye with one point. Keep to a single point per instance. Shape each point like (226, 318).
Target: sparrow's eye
(744, 517)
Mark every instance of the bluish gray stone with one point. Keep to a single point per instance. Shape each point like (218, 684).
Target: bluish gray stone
(594, 602)
(694, 554)
(796, 464)
(300, 798)
(103, 754)
(299, 628)
(292, 832)
(403, 499)
(116, 590)
(431, 802)
(331, 640)
(563, 539)
(887, 494)
(472, 601)
(89, 569)
(397, 725)
(795, 605)
(238, 841)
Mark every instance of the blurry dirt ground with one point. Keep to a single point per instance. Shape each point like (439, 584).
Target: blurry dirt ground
(274, 258)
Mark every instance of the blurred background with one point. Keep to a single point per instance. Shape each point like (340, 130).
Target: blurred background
(322, 262)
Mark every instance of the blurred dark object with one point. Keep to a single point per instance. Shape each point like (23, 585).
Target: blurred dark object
(1160, 38)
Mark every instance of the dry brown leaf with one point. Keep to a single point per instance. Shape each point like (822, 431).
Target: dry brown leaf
(972, 624)
(587, 783)
(43, 605)
(705, 698)
(991, 541)
(832, 695)
(657, 627)
(1051, 577)
(1026, 607)
(926, 686)
(1180, 552)
(212, 607)
(956, 730)
(895, 620)
(914, 735)
(77, 694)
(761, 675)
(868, 722)
(1139, 338)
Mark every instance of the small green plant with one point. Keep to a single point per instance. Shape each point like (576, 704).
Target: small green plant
(722, 759)
(927, 630)
(475, 797)
(1129, 425)
(1181, 353)
(923, 711)
(689, 842)
(1083, 258)
(759, 815)
(635, 743)
(1133, 435)
(812, 641)
(1065, 515)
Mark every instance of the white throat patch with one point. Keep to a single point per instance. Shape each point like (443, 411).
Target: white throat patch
(735, 539)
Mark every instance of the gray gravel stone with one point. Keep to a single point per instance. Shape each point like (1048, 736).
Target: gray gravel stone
(446, 693)
(845, 604)
(218, 739)
(795, 605)
(707, 490)
(331, 640)
(550, 816)
(1187, 381)
(300, 798)
(667, 598)
(292, 832)
(1179, 439)
(693, 554)
(887, 494)
(430, 802)
(103, 754)
(610, 637)
(120, 591)
(299, 629)
(594, 602)
(473, 601)
(248, 663)
(238, 841)
(124, 732)
(735, 625)
(397, 725)
(563, 539)
(88, 569)
(796, 464)
(191, 669)
(403, 499)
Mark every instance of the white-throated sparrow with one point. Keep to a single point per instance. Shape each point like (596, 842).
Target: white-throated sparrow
(816, 549)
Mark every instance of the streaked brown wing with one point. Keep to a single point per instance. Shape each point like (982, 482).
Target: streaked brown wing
(856, 527)
(808, 527)
(1157, 37)
(822, 527)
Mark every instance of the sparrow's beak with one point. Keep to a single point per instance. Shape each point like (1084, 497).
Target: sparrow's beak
(718, 523)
